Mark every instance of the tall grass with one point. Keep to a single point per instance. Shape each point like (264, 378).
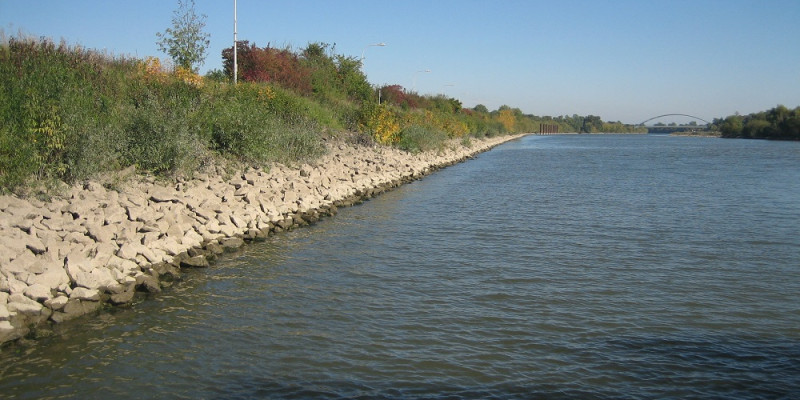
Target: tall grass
(67, 113)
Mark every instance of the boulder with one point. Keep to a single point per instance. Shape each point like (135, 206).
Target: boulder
(98, 278)
(148, 283)
(124, 296)
(35, 245)
(54, 277)
(20, 263)
(57, 303)
(231, 243)
(22, 304)
(195, 262)
(38, 292)
(81, 293)
(163, 195)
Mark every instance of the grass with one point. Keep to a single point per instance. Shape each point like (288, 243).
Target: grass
(68, 114)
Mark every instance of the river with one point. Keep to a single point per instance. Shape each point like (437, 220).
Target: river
(571, 266)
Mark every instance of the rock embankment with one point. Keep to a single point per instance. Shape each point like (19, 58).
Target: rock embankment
(70, 256)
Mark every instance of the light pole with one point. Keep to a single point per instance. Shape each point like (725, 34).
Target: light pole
(381, 44)
(414, 79)
(235, 63)
(446, 85)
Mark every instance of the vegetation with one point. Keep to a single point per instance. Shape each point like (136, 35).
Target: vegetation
(185, 42)
(776, 123)
(67, 113)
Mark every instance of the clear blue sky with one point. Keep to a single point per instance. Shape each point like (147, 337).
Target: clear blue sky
(625, 60)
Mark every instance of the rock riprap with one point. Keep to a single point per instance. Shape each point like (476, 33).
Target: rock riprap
(67, 257)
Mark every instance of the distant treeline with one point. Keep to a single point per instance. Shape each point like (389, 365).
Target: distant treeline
(777, 123)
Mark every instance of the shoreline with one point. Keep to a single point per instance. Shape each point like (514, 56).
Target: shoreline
(62, 259)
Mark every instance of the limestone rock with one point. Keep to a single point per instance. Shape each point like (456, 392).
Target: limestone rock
(195, 262)
(38, 292)
(81, 293)
(98, 278)
(163, 195)
(125, 296)
(148, 283)
(20, 303)
(57, 303)
(231, 243)
(52, 278)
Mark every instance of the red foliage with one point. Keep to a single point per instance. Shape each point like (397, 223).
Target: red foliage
(395, 94)
(268, 64)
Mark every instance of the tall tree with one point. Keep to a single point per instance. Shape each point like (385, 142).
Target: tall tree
(185, 42)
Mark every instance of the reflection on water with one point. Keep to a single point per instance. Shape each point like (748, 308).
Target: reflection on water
(550, 267)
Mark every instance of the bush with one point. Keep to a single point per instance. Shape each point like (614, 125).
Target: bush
(417, 138)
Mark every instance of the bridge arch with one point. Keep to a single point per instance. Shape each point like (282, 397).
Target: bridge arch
(669, 115)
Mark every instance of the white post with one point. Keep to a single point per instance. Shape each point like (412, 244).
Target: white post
(235, 62)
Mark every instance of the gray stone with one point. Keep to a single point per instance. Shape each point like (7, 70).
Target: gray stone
(195, 262)
(81, 293)
(15, 285)
(20, 263)
(163, 195)
(35, 245)
(175, 230)
(57, 303)
(18, 302)
(6, 330)
(127, 251)
(239, 222)
(100, 233)
(52, 278)
(98, 278)
(231, 243)
(125, 296)
(38, 292)
(4, 314)
(148, 283)
(227, 230)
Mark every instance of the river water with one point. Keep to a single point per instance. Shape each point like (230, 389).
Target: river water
(550, 267)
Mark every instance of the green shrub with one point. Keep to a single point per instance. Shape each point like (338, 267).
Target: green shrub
(417, 138)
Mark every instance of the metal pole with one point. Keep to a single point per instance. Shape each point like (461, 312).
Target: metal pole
(235, 61)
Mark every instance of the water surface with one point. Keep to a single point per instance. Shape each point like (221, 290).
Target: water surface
(549, 267)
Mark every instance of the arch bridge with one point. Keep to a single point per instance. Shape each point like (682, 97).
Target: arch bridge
(671, 115)
(673, 128)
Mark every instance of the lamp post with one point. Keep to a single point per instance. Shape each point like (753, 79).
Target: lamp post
(414, 79)
(235, 63)
(446, 85)
(381, 44)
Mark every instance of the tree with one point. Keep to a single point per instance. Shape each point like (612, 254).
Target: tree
(185, 42)
(481, 109)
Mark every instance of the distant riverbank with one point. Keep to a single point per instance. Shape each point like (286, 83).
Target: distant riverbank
(95, 247)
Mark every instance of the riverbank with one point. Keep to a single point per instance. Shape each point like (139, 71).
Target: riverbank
(68, 257)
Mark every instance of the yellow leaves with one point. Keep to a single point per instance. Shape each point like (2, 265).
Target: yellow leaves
(189, 77)
(49, 134)
(507, 118)
(265, 94)
(152, 68)
(380, 122)
(443, 122)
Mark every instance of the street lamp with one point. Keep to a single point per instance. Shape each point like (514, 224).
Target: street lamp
(235, 61)
(381, 44)
(446, 85)
(414, 79)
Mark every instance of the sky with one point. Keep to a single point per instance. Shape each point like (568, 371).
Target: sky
(624, 60)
